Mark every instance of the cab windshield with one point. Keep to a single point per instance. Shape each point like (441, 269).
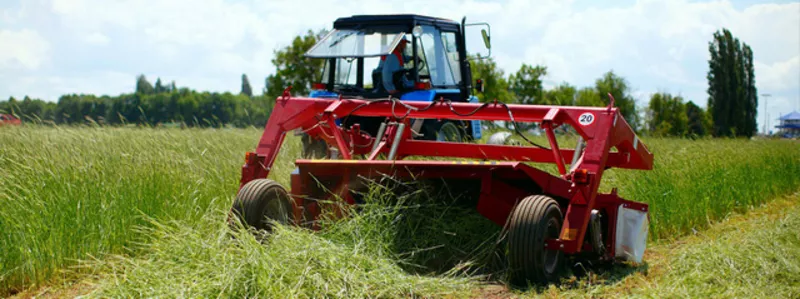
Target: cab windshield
(355, 58)
(355, 43)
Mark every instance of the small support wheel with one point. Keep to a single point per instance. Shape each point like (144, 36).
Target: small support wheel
(535, 219)
(259, 202)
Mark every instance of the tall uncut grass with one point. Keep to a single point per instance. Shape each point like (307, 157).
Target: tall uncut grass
(695, 183)
(68, 193)
(154, 199)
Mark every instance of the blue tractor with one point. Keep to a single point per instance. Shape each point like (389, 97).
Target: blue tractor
(433, 65)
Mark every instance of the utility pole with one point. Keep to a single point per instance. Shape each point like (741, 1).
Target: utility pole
(766, 117)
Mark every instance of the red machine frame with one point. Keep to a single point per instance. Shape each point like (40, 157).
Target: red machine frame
(500, 168)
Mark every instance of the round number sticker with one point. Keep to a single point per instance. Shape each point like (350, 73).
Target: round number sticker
(586, 119)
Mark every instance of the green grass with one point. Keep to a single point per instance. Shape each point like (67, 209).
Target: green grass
(747, 256)
(756, 259)
(355, 258)
(67, 193)
(695, 183)
(142, 200)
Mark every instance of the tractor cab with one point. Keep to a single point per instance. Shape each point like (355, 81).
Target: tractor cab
(431, 53)
(410, 57)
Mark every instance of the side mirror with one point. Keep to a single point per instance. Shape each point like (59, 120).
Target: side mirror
(479, 85)
(486, 34)
(486, 39)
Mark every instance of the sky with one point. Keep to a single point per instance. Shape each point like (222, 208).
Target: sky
(54, 47)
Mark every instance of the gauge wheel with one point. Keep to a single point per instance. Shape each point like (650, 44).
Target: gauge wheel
(535, 219)
(260, 203)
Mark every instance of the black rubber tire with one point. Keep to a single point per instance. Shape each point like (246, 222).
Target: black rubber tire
(535, 219)
(314, 148)
(433, 128)
(260, 201)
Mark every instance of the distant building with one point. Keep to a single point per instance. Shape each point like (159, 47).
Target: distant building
(790, 125)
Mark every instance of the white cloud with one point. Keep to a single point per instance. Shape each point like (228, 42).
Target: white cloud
(97, 38)
(662, 45)
(24, 49)
(52, 86)
(658, 45)
(779, 76)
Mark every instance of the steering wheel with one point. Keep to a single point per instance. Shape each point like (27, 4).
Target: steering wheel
(420, 64)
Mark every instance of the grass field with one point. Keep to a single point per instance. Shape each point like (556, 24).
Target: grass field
(144, 210)
(753, 255)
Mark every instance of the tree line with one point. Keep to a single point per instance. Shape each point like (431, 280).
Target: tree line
(731, 105)
(149, 104)
(665, 115)
(732, 95)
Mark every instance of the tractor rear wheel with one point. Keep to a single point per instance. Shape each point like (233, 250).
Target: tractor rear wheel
(448, 131)
(535, 219)
(259, 202)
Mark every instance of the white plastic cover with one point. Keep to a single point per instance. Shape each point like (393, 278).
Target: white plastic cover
(632, 226)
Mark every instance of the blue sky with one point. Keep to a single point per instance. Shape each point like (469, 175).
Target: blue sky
(53, 47)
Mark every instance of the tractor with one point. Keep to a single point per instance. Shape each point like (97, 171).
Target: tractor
(547, 216)
(437, 66)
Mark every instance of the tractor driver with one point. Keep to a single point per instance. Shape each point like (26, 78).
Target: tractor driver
(393, 70)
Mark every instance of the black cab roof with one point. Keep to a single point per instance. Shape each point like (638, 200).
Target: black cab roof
(389, 20)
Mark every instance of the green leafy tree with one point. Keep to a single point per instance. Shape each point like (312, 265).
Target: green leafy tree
(68, 110)
(8, 106)
(751, 93)
(143, 86)
(293, 68)
(159, 88)
(563, 95)
(246, 89)
(697, 120)
(495, 85)
(666, 115)
(588, 96)
(732, 94)
(34, 110)
(618, 87)
(526, 84)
